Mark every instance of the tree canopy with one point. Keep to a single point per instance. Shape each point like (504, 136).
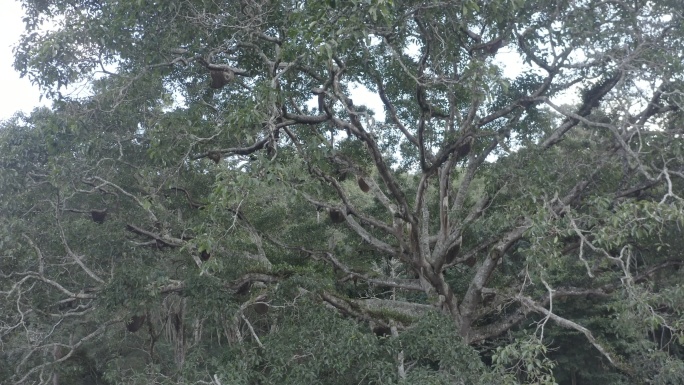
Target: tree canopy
(345, 192)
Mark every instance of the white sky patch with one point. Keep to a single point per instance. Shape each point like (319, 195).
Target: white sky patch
(363, 96)
(511, 64)
(18, 94)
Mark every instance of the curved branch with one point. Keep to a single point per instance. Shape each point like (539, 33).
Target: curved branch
(566, 323)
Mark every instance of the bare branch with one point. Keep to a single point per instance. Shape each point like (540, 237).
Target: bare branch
(567, 324)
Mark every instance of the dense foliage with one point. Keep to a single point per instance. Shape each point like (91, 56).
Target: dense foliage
(206, 204)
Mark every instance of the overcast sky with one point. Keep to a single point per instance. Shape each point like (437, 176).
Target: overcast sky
(17, 94)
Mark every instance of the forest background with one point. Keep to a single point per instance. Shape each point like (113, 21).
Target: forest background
(221, 207)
